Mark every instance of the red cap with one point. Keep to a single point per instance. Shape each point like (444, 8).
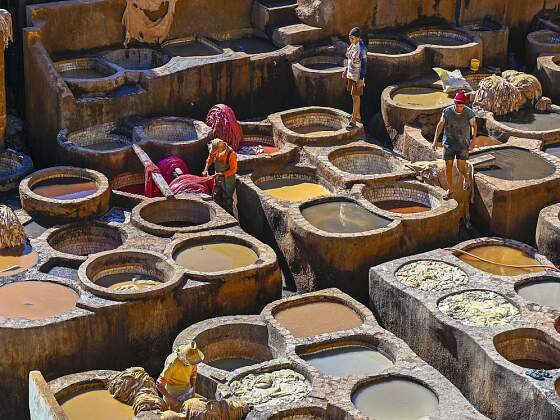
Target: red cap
(460, 98)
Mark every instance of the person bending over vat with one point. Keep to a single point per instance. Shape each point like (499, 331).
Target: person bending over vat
(177, 381)
(458, 123)
(355, 73)
(224, 159)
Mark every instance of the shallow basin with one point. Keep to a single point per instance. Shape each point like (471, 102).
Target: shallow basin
(421, 97)
(545, 292)
(502, 255)
(389, 46)
(440, 37)
(515, 165)
(213, 257)
(530, 120)
(343, 217)
(323, 63)
(136, 58)
(83, 68)
(191, 47)
(81, 405)
(293, 189)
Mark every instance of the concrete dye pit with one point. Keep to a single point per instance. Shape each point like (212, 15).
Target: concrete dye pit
(527, 123)
(292, 189)
(388, 46)
(191, 47)
(422, 97)
(500, 254)
(528, 348)
(14, 166)
(17, 259)
(84, 239)
(127, 189)
(538, 43)
(136, 58)
(83, 68)
(543, 291)
(548, 73)
(442, 37)
(428, 275)
(98, 400)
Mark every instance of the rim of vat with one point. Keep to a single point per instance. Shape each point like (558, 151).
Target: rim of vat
(86, 63)
(112, 55)
(350, 149)
(443, 206)
(303, 223)
(218, 217)
(317, 411)
(23, 166)
(319, 58)
(27, 184)
(497, 241)
(399, 38)
(469, 38)
(66, 386)
(495, 124)
(390, 91)
(542, 278)
(170, 277)
(64, 139)
(277, 121)
(140, 132)
(127, 195)
(57, 232)
(189, 39)
(541, 37)
(266, 258)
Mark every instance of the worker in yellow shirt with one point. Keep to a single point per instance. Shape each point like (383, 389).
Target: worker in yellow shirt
(177, 381)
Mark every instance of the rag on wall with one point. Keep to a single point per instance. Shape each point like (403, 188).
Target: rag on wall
(148, 20)
(223, 122)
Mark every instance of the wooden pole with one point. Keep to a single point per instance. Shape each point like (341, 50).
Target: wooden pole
(5, 38)
(156, 176)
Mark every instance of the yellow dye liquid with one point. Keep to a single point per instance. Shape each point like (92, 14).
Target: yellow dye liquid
(97, 404)
(500, 254)
(210, 258)
(421, 97)
(300, 191)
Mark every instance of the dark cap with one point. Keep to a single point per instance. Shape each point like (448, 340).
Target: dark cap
(356, 32)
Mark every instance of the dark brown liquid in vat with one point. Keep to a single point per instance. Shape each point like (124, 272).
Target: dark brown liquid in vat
(402, 206)
(65, 188)
(314, 130)
(348, 360)
(388, 49)
(396, 399)
(83, 74)
(515, 165)
(343, 217)
(97, 404)
(177, 224)
(191, 49)
(250, 45)
(439, 40)
(324, 66)
(545, 292)
(316, 318)
(232, 363)
(214, 257)
(17, 259)
(500, 254)
(529, 120)
(35, 300)
(128, 281)
(534, 364)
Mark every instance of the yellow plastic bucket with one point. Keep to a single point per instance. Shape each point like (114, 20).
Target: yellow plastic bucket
(475, 64)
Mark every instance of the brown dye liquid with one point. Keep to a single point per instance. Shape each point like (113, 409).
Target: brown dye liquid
(128, 281)
(396, 399)
(515, 165)
(96, 404)
(210, 258)
(402, 206)
(314, 130)
(348, 361)
(231, 363)
(546, 292)
(66, 188)
(500, 254)
(534, 364)
(35, 300)
(17, 259)
(343, 217)
(293, 189)
(316, 318)
(83, 74)
(421, 97)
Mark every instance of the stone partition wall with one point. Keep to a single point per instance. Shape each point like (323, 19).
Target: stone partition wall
(469, 342)
(548, 233)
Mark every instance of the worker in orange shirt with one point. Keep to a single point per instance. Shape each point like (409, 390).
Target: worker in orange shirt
(224, 159)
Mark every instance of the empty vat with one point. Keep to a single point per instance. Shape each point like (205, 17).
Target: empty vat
(388, 46)
(103, 137)
(358, 160)
(402, 198)
(323, 63)
(494, 255)
(13, 167)
(515, 165)
(86, 238)
(421, 97)
(175, 130)
(441, 37)
(136, 58)
(36, 300)
(98, 403)
(314, 318)
(343, 217)
(175, 213)
(396, 399)
(215, 256)
(347, 360)
(17, 259)
(83, 68)
(543, 292)
(292, 189)
(530, 120)
(191, 47)
(65, 188)
(528, 348)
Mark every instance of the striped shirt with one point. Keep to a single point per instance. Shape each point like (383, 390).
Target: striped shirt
(356, 61)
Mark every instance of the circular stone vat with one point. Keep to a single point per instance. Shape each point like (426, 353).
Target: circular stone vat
(479, 308)
(323, 63)
(315, 318)
(17, 259)
(14, 166)
(421, 97)
(531, 120)
(398, 398)
(83, 68)
(127, 189)
(343, 217)
(500, 254)
(515, 165)
(100, 138)
(35, 300)
(292, 188)
(528, 348)
(128, 274)
(86, 238)
(402, 199)
(538, 43)
(65, 193)
(268, 390)
(175, 130)
(389, 46)
(364, 161)
(353, 359)
(545, 291)
(191, 47)
(95, 399)
(431, 275)
(440, 37)
(214, 254)
(136, 58)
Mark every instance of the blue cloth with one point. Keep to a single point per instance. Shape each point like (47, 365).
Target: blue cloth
(457, 132)
(363, 60)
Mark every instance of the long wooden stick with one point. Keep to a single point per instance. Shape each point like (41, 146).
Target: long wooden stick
(156, 176)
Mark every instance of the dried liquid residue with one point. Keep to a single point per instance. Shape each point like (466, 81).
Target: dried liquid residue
(214, 257)
(501, 255)
(316, 318)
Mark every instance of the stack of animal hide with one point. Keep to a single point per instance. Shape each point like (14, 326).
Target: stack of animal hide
(136, 388)
(497, 95)
(11, 230)
(527, 84)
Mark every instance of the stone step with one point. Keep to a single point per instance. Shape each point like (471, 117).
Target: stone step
(296, 34)
(269, 14)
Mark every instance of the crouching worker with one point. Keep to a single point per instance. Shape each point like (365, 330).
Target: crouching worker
(177, 381)
(458, 123)
(224, 159)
